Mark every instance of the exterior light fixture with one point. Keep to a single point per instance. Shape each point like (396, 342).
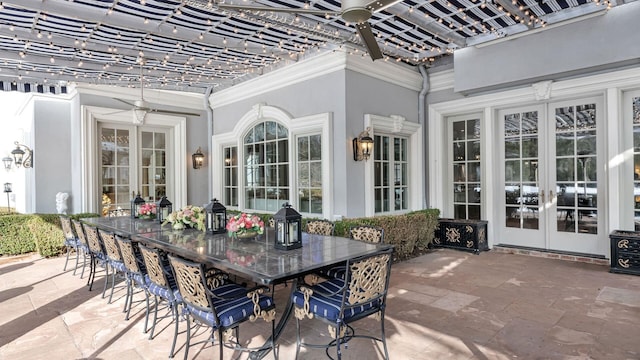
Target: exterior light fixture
(7, 161)
(362, 146)
(288, 224)
(216, 217)
(136, 203)
(197, 159)
(7, 189)
(163, 209)
(20, 157)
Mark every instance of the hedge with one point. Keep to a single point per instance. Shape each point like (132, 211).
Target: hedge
(25, 233)
(409, 232)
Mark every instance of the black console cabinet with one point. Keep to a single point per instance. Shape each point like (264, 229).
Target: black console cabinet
(470, 235)
(625, 252)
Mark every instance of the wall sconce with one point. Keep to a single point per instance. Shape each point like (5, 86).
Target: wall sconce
(197, 159)
(362, 146)
(20, 157)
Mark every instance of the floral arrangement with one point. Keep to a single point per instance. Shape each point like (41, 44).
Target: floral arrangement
(188, 217)
(147, 211)
(243, 223)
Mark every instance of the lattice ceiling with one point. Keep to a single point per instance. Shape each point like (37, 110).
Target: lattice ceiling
(192, 44)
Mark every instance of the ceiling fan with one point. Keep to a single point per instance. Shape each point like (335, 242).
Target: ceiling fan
(141, 107)
(352, 11)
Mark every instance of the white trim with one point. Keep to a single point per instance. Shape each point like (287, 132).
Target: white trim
(395, 125)
(441, 80)
(183, 99)
(89, 151)
(316, 67)
(313, 124)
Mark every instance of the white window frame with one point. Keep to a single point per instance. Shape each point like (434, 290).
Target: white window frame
(395, 125)
(307, 125)
(89, 151)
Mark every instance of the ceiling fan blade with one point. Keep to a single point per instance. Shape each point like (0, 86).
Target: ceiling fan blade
(170, 112)
(277, 9)
(378, 5)
(369, 40)
(126, 102)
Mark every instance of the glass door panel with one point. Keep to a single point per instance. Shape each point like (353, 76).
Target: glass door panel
(115, 180)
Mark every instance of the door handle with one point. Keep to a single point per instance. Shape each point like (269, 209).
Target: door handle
(550, 195)
(542, 197)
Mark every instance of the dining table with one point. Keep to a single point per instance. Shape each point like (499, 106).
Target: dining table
(255, 259)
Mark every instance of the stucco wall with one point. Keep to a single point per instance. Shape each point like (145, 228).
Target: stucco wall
(52, 155)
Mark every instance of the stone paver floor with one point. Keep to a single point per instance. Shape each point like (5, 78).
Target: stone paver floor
(443, 305)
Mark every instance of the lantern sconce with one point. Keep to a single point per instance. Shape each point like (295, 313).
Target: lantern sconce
(197, 159)
(22, 156)
(362, 146)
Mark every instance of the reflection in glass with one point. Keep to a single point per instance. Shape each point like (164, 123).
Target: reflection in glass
(511, 125)
(565, 118)
(459, 130)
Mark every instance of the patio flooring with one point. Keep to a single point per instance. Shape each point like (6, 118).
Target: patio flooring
(442, 305)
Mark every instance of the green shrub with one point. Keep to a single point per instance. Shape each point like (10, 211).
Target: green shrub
(407, 232)
(24, 233)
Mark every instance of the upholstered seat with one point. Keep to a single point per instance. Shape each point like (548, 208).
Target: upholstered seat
(320, 227)
(135, 275)
(212, 301)
(73, 243)
(97, 254)
(339, 302)
(114, 259)
(366, 233)
(162, 285)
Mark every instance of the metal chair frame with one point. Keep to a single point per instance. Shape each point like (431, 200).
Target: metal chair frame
(98, 256)
(159, 274)
(358, 291)
(320, 227)
(135, 276)
(72, 243)
(198, 286)
(114, 259)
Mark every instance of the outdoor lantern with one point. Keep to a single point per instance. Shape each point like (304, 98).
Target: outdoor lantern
(7, 189)
(288, 224)
(163, 209)
(216, 217)
(7, 163)
(136, 203)
(362, 146)
(197, 159)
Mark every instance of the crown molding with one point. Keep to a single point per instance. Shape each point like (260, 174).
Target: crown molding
(441, 80)
(315, 67)
(181, 99)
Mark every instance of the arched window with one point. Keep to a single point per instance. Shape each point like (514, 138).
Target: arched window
(266, 166)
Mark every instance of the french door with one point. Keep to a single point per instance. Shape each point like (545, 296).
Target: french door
(551, 166)
(132, 160)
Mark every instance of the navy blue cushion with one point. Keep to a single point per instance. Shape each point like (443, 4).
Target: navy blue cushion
(138, 279)
(170, 294)
(339, 272)
(72, 242)
(118, 265)
(328, 307)
(230, 311)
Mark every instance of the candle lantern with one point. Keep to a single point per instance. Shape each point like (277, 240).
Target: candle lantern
(216, 217)
(288, 228)
(163, 209)
(136, 203)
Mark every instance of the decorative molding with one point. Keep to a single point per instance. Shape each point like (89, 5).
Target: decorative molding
(413, 131)
(318, 123)
(316, 67)
(91, 115)
(441, 80)
(542, 90)
(182, 99)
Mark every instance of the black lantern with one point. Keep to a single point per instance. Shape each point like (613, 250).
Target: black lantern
(288, 223)
(7, 189)
(216, 219)
(136, 203)
(163, 209)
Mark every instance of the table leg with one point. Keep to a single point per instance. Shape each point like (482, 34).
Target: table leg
(286, 314)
